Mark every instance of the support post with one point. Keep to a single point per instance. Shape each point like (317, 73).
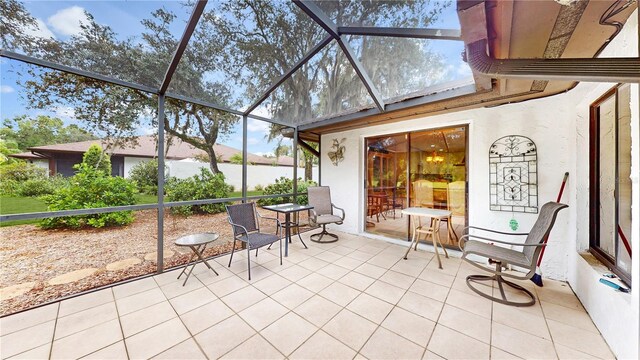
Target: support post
(320, 160)
(244, 158)
(160, 240)
(295, 164)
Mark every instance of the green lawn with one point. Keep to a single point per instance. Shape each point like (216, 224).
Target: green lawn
(21, 205)
(249, 193)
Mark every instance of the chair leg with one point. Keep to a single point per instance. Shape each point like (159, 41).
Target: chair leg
(256, 252)
(249, 260)
(233, 249)
(503, 296)
(280, 251)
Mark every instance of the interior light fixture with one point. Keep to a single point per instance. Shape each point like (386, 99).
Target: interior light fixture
(435, 158)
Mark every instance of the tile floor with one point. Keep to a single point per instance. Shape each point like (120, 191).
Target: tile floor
(355, 298)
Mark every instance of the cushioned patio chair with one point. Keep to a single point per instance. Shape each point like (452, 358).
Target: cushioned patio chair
(503, 257)
(322, 212)
(245, 221)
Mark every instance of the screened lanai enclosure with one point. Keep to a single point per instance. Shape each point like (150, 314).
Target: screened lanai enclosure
(200, 75)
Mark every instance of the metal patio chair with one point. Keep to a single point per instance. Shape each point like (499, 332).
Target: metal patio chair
(245, 221)
(322, 212)
(502, 256)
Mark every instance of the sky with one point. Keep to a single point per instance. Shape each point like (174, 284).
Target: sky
(62, 19)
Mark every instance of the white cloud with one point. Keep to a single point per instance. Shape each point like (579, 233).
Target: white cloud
(5, 89)
(254, 125)
(67, 21)
(253, 141)
(64, 111)
(40, 30)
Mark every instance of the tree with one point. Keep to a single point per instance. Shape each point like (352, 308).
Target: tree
(281, 150)
(41, 130)
(236, 159)
(236, 52)
(95, 158)
(8, 147)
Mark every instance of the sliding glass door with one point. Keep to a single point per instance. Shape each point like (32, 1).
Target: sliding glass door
(418, 169)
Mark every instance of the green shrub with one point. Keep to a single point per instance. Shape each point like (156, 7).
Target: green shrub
(36, 187)
(21, 171)
(258, 187)
(285, 186)
(13, 175)
(9, 187)
(198, 187)
(145, 176)
(90, 188)
(41, 186)
(97, 159)
(236, 158)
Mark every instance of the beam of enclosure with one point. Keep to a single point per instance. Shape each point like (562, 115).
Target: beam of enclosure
(415, 33)
(308, 147)
(222, 108)
(311, 53)
(160, 238)
(71, 70)
(425, 99)
(182, 45)
(315, 13)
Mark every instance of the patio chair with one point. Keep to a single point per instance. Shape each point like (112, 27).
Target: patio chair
(322, 212)
(502, 256)
(245, 221)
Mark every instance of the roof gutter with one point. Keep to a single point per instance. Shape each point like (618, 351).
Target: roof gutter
(625, 70)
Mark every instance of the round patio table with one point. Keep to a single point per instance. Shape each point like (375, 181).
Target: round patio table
(198, 244)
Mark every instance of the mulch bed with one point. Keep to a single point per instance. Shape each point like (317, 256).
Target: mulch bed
(31, 254)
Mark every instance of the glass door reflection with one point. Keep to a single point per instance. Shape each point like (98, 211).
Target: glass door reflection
(422, 169)
(386, 185)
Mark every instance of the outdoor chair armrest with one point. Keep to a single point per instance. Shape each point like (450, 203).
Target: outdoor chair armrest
(278, 223)
(465, 238)
(244, 229)
(313, 215)
(493, 231)
(337, 208)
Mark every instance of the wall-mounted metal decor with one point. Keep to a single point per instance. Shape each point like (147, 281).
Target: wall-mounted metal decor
(336, 155)
(513, 175)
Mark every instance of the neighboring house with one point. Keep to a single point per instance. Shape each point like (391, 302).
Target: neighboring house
(61, 158)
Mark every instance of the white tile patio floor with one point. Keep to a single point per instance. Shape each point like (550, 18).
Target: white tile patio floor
(354, 298)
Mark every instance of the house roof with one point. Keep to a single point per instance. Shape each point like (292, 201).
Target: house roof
(27, 155)
(145, 146)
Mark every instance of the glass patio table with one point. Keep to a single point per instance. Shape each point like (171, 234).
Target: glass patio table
(198, 244)
(287, 209)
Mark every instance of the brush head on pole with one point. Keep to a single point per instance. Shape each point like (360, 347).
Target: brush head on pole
(537, 279)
